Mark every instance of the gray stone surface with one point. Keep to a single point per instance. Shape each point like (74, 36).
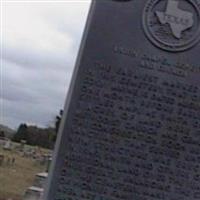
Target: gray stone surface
(131, 126)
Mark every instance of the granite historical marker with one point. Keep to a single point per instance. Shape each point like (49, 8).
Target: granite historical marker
(131, 127)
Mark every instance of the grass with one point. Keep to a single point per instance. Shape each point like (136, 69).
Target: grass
(14, 180)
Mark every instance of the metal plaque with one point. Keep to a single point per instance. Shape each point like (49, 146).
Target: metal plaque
(131, 126)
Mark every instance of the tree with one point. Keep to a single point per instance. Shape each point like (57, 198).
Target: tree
(22, 133)
(43, 137)
(2, 134)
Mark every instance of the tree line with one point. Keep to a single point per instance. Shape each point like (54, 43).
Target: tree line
(35, 136)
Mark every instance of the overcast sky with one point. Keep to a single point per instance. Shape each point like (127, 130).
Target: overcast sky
(39, 44)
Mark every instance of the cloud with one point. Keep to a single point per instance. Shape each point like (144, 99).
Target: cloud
(40, 44)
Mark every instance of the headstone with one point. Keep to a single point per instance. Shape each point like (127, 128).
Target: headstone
(131, 125)
(22, 145)
(2, 142)
(36, 191)
(33, 193)
(48, 163)
(40, 180)
(7, 145)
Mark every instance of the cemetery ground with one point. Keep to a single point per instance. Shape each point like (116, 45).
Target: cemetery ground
(16, 177)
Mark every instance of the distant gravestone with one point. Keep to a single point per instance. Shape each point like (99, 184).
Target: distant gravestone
(22, 145)
(7, 145)
(131, 126)
(33, 193)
